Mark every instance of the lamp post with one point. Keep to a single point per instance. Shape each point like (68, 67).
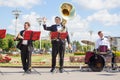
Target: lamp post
(90, 34)
(39, 20)
(16, 13)
(72, 33)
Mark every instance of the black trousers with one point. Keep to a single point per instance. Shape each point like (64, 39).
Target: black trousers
(58, 47)
(113, 56)
(113, 60)
(26, 57)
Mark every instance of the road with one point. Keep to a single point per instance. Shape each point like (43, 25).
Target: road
(68, 74)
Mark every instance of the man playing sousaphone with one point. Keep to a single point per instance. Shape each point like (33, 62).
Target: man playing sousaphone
(58, 45)
(103, 45)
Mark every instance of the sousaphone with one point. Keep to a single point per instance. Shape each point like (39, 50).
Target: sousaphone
(67, 12)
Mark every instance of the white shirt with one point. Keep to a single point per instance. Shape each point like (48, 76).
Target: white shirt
(103, 41)
(59, 28)
(25, 42)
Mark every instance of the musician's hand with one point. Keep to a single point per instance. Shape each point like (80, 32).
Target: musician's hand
(44, 20)
(20, 37)
(14, 39)
(69, 46)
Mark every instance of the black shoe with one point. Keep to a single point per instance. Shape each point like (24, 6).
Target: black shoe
(29, 70)
(52, 70)
(61, 70)
(113, 68)
(25, 70)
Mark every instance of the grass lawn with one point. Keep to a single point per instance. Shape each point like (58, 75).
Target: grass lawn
(38, 60)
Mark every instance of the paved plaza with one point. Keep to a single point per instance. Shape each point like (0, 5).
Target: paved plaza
(68, 74)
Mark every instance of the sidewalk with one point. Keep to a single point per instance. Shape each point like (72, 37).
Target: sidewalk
(71, 74)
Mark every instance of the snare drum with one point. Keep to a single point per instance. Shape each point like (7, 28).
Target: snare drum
(88, 55)
(103, 49)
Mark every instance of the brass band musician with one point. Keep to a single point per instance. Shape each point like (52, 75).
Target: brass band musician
(58, 45)
(26, 48)
(104, 41)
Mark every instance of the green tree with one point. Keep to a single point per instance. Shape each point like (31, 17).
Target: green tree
(7, 42)
(78, 45)
(44, 44)
(36, 44)
(4, 44)
(10, 43)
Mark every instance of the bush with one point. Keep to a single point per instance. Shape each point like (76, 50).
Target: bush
(5, 59)
(117, 53)
(0, 56)
(79, 53)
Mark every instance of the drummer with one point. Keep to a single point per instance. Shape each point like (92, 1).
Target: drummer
(104, 41)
